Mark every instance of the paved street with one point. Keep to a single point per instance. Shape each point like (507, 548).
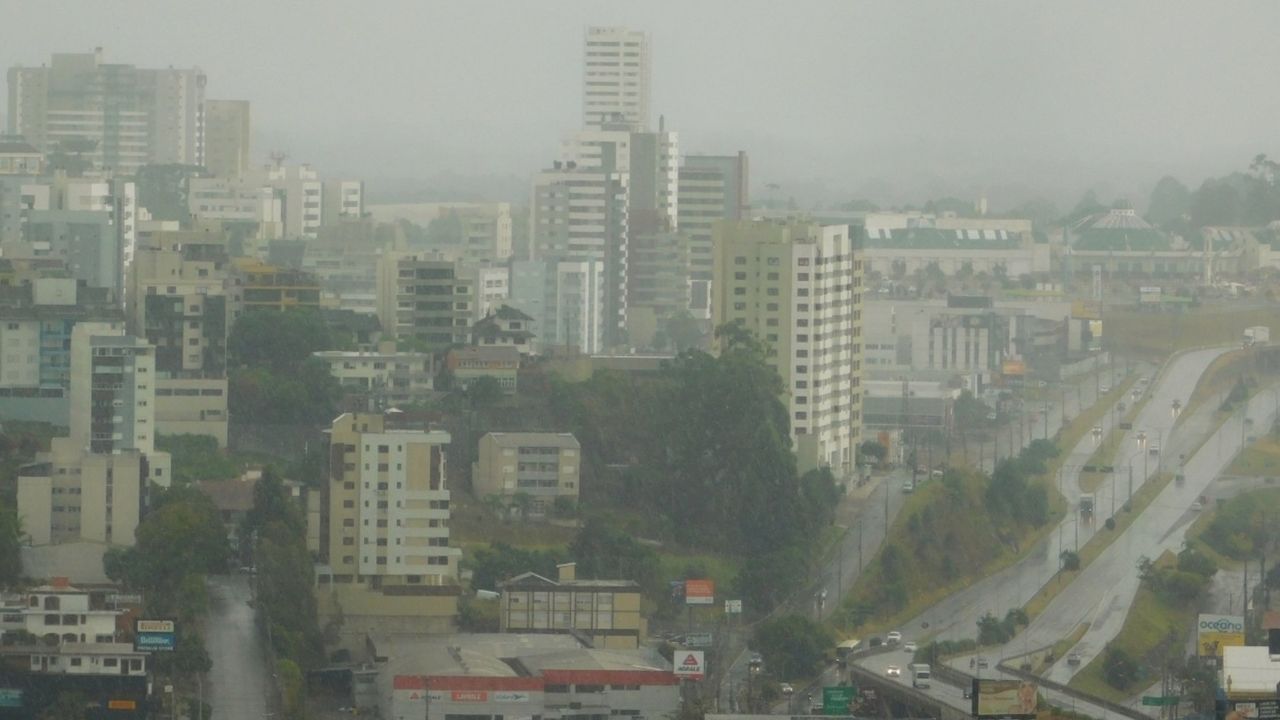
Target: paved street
(237, 685)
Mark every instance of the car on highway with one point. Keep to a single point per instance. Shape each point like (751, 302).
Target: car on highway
(1197, 506)
(1104, 389)
(894, 637)
(909, 647)
(1073, 659)
(815, 705)
(982, 663)
(786, 688)
(756, 660)
(893, 671)
(1155, 448)
(908, 487)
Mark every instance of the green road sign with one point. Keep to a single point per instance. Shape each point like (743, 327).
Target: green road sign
(835, 700)
(1160, 700)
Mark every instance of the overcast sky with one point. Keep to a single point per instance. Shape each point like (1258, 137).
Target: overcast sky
(841, 98)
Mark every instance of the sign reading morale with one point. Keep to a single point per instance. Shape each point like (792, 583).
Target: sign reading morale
(1215, 632)
(155, 635)
(691, 664)
(1004, 698)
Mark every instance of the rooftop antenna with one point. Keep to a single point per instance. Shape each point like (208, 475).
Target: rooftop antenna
(278, 157)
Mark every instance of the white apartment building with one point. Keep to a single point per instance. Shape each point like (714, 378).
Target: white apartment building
(301, 193)
(125, 116)
(386, 379)
(59, 613)
(342, 199)
(580, 215)
(493, 289)
(566, 300)
(649, 160)
(798, 287)
(615, 78)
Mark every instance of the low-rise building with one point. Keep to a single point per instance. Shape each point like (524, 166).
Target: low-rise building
(607, 612)
(377, 380)
(505, 327)
(468, 364)
(543, 466)
(259, 286)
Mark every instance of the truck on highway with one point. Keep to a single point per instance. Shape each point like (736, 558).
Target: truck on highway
(1257, 335)
(1086, 504)
(920, 675)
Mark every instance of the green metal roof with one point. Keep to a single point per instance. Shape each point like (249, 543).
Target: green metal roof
(1121, 240)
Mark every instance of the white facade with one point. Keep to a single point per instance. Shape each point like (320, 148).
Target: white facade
(343, 199)
(615, 77)
(493, 289)
(237, 199)
(300, 192)
(389, 377)
(61, 612)
(565, 299)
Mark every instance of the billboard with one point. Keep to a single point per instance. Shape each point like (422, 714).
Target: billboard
(692, 664)
(1004, 698)
(1215, 632)
(836, 700)
(154, 635)
(699, 592)
(1253, 710)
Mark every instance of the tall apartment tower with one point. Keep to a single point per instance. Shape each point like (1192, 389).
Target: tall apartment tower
(649, 160)
(711, 188)
(581, 215)
(426, 297)
(92, 484)
(120, 117)
(226, 131)
(177, 300)
(380, 526)
(798, 287)
(615, 77)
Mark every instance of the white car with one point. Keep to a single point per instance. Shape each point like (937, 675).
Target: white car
(787, 689)
(893, 637)
(893, 671)
(909, 647)
(1104, 389)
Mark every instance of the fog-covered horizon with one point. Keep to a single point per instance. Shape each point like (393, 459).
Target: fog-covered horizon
(895, 102)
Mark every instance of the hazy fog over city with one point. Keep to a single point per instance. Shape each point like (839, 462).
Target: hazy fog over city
(896, 102)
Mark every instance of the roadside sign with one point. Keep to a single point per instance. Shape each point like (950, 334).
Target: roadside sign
(1160, 700)
(10, 697)
(692, 664)
(733, 607)
(698, 639)
(836, 700)
(699, 592)
(155, 635)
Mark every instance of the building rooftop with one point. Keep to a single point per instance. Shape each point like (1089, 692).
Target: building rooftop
(1116, 239)
(484, 352)
(234, 494)
(16, 147)
(478, 654)
(515, 439)
(591, 659)
(534, 580)
(928, 238)
(506, 312)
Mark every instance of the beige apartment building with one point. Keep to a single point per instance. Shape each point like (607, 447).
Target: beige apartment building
(227, 133)
(607, 612)
(798, 287)
(92, 485)
(425, 297)
(380, 530)
(544, 466)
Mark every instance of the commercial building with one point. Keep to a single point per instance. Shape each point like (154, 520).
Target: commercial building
(376, 381)
(260, 286)
(425, 297)
(487, 676)
(237, 200)
(543, 466)
(379, 528)
(119, 117)
(566, 301)
(711, 188)
(300, 192)
(658, 283)
(917, 408)
(20, 165)
(798, 287)
(615, 78)
(227, 137)
(649, 161)
(178, 301)
(580, 215)
(342, 200)
(469, 364)
(92, 484)
(606, 612)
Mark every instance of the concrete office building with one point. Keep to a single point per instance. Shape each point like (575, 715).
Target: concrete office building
(227, 137)
(711, 188)
(566, 301)
(37, 317)
(658, 283)
(606, 611)
(342, 200)
(493, 289)
(798, 287)
(615, 77)
(581, 216)
(178, 300)
(128, 116)
(543, 466)
(426, 297)
(649, 160)
(301, 193)
(92, 484)
(383, 379)
(237, 200)
(380, 530)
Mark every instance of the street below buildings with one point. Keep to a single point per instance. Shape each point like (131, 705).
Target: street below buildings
(237, 686)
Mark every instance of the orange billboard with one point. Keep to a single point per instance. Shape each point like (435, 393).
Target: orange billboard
(699, 592)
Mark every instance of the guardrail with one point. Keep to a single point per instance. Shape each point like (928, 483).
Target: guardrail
(1108, 705)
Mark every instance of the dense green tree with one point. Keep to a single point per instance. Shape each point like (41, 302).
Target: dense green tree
(1118, 669)
(871, 451)
(446, 229)
(197, 457)
(793, 646)
(499, 562)
(11, 535)
(484, 391)
(1170, 200)
(277, 341)
(767, 580)
(604, 552)
(66, 706)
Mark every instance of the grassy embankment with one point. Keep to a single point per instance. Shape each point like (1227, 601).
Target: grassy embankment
(1158, 335)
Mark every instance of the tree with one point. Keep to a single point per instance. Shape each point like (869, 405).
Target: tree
(277, 341)
(792, 645)
(1170, 200)
(196, 457)
(872, 451)
(1070, 560)
(10, 547)
(603, 552)
(66, 706)
(1118, 669)
(683, 331)
(484, 391)
(500, 562)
